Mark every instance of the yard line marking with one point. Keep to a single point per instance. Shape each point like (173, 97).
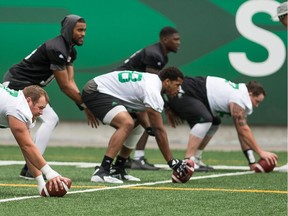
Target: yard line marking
(166, 188)
(211, 189)
(163, 166)
(18, 198)
(131, 185)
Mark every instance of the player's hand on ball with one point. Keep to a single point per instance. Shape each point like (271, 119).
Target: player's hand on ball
(56, 187)
(57, 183)
(270, 157)
(263, 166)
(182, 170)
(179, 166)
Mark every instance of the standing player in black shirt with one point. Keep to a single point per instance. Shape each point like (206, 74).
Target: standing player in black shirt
(52, 60)
(150, 59)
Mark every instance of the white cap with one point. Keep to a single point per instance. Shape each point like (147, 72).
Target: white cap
(282, 9)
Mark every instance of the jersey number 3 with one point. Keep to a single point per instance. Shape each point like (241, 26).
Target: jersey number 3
(128, 76)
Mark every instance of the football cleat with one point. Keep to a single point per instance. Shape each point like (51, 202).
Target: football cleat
(201, 167)
(142, 164)
(120, 173)
(101, 175)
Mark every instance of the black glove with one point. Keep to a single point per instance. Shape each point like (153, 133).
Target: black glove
(150, 131)
(179, 166)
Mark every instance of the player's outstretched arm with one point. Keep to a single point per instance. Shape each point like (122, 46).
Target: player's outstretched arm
(245, 134)
(31, 153)
(156, 122)
(65, 80)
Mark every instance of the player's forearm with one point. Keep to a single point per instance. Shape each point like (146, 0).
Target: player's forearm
(32, 169)
(160, 133)
(162, 141)
(24, 140)
(246, 138)
(72, 93)
(31, 152)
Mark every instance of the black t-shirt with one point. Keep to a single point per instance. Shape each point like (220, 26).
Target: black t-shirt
(37, 68)
(149, 57)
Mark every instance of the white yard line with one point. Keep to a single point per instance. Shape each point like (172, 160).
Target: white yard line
(163, 166)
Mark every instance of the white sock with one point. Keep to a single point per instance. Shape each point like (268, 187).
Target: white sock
(40, 183)
(198, 154)
(192, 158)
(138, 154)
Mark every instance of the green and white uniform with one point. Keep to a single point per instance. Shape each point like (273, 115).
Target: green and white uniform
(221, 92)
(14, 103)
(136, 90)
(117, 91)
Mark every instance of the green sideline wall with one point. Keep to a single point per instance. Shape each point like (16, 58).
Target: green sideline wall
(238, 40)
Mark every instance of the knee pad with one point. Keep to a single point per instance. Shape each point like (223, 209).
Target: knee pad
(134, 136)
(200, 129)
(112, 113)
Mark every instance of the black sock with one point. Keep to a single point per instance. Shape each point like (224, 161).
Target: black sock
(120, 161)
(106, 162)
(25, 167)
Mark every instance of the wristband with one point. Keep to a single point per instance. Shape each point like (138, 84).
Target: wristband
(172, 163)
(45, 169)
(150, 131)
(49, 172)
(250, 156)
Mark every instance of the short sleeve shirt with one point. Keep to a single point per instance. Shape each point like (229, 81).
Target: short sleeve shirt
(150, 57)
(37, 68)
(14, 103)
(137, 90)
(221, 93)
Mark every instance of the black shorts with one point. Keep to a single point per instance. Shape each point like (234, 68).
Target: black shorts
(100, 104)
(192, 110)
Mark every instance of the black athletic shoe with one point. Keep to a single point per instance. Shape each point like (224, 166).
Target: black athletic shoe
(142, 164)
(128, 163)
(201, 167)
(23, 171)
(120, 173)
(25, 174)
(101, 175)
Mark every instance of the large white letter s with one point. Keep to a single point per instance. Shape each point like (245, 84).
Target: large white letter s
(274, 45)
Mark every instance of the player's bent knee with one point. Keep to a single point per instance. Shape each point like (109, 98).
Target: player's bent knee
(201, 129)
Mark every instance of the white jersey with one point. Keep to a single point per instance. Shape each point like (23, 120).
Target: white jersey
(221, 93)
(136, 90)
(14, 103)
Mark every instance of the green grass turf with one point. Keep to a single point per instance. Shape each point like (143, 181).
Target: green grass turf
(251, 194)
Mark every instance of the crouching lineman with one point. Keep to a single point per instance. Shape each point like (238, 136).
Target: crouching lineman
(18, 111)
(203, 100)
(112, 97)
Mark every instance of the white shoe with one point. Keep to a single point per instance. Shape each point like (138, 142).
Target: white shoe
(101, 175)
(120, 173)
(131, 178)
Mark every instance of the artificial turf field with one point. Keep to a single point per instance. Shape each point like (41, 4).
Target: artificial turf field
(225, 191)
